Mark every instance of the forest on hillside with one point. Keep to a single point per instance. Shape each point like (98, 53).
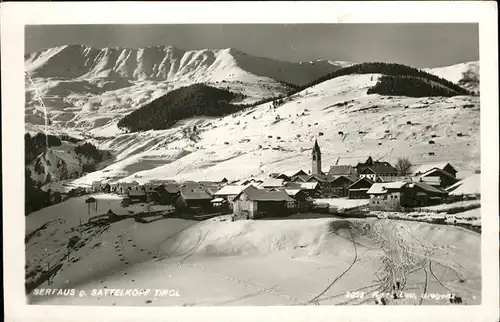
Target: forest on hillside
(388, 69)
(184, 102)
(408, 86)
(35, 198)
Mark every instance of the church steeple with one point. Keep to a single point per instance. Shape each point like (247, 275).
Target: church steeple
(316, 159)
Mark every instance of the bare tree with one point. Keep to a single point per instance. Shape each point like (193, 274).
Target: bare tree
(404, 166)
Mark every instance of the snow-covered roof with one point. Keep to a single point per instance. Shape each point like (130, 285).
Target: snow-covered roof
(433, 170)
(230, 190)
(384, 187)
(265, 195)
(468, 186)
(270, 182)
(292, 192)
(217, 200)
(195, 195)
(427, 167)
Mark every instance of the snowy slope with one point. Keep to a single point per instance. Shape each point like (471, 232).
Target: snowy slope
(253, 142)
(464, 74)
(300, 258)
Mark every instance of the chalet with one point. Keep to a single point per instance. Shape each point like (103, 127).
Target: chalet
(151, 192)
(444, 166)
(342, 170)
(195, 200)
(260, 203)
(359, 189)
(299, 197)
(165, 194)
(136, 195)
(375, 169)
(438, 178)
(394, 196)
(339, 187)
(309, 188)
(227, 193)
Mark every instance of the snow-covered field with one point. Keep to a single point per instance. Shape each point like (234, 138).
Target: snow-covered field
(213, 262)
(254, 142)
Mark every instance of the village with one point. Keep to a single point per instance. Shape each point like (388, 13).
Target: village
(348, 190)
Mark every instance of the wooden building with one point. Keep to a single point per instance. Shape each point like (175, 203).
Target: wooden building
(195, 200)
(339, 187)
(260, 203)
(359, 189)
(395, 196)
(438, 178)
(444, 166)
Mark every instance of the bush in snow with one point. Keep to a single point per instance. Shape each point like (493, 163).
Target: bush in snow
(404, 166)
(431, 142)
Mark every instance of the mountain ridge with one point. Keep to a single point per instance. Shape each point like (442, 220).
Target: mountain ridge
(165, 62)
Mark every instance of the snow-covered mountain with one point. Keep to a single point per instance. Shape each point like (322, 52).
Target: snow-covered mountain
(86, 88)
(463, 74)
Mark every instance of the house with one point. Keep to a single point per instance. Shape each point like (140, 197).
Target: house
(300, 201)
(386, 196)
(394, 196)
(136, 195)
(309, 188)
(359, 189)
(165, 194)
(260, 203)
(338, 187)
(195, 200)
(444, 166)
(376, 169)
(227, 193)
(438, 178)
(342, 170)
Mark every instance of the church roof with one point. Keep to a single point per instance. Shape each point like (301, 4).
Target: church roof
(316, 147)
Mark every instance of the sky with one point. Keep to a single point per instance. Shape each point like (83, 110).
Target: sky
(421, 45)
